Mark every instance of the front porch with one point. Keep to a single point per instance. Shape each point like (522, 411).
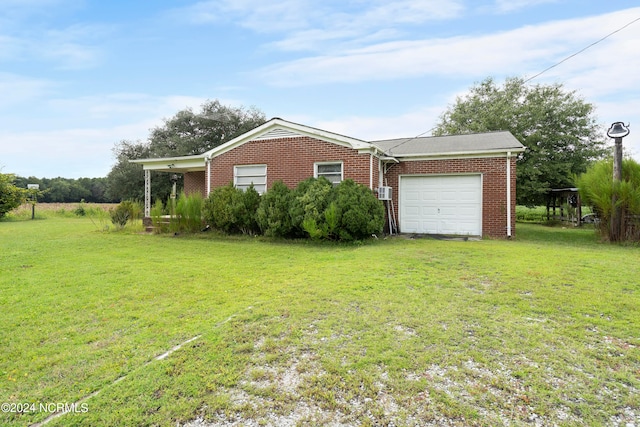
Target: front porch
(195, 170)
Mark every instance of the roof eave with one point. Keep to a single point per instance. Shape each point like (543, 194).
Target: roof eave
(453, 154)
(338, 139)
(174, 164)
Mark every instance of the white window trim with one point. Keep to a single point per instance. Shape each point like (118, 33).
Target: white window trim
(340, 162)
(235, 176)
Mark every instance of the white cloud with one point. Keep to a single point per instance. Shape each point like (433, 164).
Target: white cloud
(369, 128)
(310, 25)
(86, 129)
(257, 15)
(523, 51)
(17, 89)
(25, 38)
(508, 6)
(74, 47)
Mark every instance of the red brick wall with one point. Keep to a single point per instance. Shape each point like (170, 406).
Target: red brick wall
(195, 182)
(291, 160)
(494, 197)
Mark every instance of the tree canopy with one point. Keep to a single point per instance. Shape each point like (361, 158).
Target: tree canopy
(186, 133)
(557, 126)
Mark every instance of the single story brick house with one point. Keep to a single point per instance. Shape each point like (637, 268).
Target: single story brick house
(458, 185)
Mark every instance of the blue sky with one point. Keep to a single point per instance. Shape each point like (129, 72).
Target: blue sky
(77, 76)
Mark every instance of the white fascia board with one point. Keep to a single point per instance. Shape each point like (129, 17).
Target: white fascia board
(177, 164)
(272, 124)
(458, 155)
(338, 139)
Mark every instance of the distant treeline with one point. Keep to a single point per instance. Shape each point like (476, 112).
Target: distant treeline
(68, 190)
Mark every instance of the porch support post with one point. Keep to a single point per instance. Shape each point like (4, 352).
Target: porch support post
(147, 193)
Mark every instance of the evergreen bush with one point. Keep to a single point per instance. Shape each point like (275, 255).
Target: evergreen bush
(273, 215)
(315, 209)
(310, 199)
(360, 212)
(232, 210)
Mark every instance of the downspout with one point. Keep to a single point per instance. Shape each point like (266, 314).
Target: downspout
(208, 161)
(371, 171)
(509, 194)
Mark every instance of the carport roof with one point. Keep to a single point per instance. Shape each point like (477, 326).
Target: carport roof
(469, 144)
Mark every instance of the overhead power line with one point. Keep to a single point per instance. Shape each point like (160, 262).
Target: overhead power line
(537, 75)
(582, 50)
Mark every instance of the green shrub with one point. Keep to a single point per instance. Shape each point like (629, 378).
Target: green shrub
(598, 189)
(127, 210)
(348, 211)
(189, 212)
(10, 196)
(273, 215)
(248, 211)
(310, 199)
(80, 210)
(360, 213)
(120, 216)
(315, 209)
(232, 210)
(157, 213)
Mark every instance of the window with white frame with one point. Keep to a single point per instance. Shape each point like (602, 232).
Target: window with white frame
(330, 170)
(244, 176)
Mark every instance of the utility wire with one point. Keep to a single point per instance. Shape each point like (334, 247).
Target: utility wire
(582, 50)
(408, 139)
(537, 75)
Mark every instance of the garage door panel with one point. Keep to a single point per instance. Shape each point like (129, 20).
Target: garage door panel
(449, 204)
(427, 196)
(412, 195)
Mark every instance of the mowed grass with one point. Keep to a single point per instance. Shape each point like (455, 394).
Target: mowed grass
(541, 330)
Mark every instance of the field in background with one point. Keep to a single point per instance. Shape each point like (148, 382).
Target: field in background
(541, 330)
(48, 210)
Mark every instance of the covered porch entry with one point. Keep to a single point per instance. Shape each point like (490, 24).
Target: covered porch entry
(195, 170)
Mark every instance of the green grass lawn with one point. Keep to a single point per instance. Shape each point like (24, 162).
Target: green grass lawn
(541, 330)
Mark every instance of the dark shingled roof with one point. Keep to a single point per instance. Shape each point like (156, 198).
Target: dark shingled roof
(477, 143)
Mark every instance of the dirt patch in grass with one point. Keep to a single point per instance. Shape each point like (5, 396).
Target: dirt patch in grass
(302, 385)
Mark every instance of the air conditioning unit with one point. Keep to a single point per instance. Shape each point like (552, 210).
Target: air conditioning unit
(384, 193)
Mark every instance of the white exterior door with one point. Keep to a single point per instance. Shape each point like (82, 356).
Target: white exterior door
(441, 204)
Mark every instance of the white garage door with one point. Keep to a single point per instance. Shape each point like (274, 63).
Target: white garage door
(448, 204)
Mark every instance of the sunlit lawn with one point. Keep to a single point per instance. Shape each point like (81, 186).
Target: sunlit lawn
(542, 330)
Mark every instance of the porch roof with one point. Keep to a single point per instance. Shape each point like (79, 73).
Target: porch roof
(179, 164)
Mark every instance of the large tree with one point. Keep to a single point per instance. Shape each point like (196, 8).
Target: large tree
(186, 133)
(189, 133)
(557, 126)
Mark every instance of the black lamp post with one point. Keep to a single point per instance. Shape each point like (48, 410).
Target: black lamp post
(617, 131)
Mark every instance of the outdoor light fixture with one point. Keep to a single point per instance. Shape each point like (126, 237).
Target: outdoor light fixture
(174, 178)
(618, 130)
